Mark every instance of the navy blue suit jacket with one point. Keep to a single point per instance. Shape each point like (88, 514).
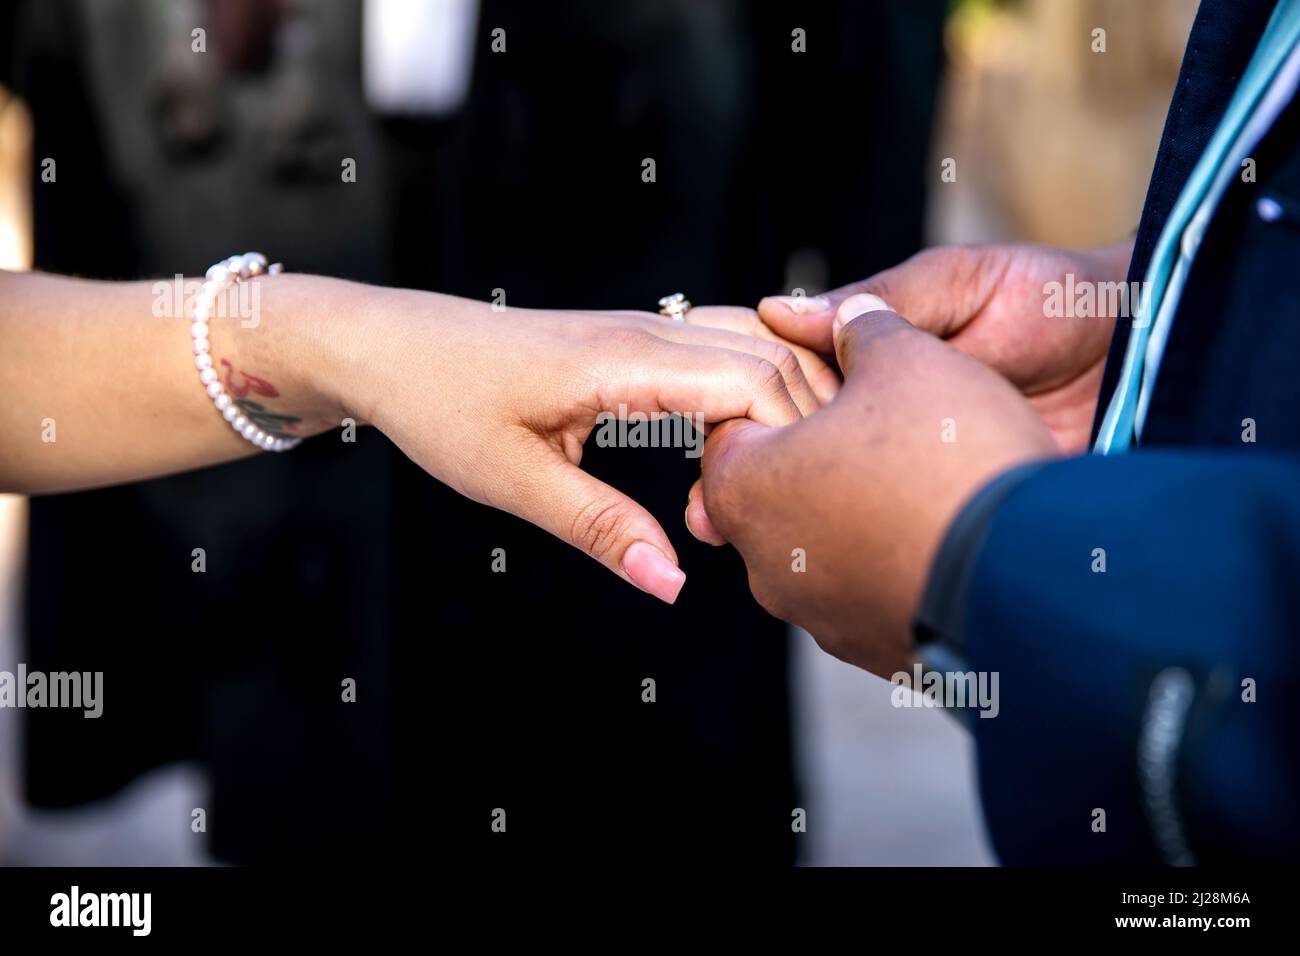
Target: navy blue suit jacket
(1159, 690)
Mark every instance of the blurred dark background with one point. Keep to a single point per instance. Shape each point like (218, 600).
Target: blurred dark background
(775, 169)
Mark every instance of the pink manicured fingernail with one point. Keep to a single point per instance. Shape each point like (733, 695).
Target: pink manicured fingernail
(651, 571)
(856, 305)
(802, 304)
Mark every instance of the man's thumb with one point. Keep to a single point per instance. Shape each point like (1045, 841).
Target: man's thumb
(860, 318)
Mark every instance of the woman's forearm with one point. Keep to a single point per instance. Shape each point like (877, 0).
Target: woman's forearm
(100, 382)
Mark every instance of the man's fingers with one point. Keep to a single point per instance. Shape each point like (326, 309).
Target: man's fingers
(939, 290)
(605, 523)
(808, 320)
(860, 320)
(803, 320)
(725, 469)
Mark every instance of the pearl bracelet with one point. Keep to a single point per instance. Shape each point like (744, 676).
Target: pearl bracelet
(219, 279)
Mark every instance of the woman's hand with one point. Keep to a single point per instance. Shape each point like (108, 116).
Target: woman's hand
(101, 387)
(498, 404)
(989, 302)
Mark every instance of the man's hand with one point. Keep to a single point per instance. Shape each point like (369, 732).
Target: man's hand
(861, 493)
(988, 301)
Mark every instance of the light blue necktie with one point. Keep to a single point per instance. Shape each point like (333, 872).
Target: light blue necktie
(1265, 87)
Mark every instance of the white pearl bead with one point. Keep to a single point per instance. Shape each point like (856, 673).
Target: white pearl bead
(200, 346)
(218, 273)
(239, 422)
(230, 410)
(256, 263)
(199, 330)
(203, 360)
(237, 266)
(208, 375)
(259, 437)
(214, 389)
(202, 312)
(249, 430)
(223, 401)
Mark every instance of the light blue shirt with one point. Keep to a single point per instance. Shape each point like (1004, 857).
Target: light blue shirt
(1265, 89)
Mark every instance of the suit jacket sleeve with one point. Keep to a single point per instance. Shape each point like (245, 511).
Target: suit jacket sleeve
(1142, 614)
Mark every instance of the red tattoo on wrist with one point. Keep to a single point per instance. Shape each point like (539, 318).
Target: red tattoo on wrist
(250, 383)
